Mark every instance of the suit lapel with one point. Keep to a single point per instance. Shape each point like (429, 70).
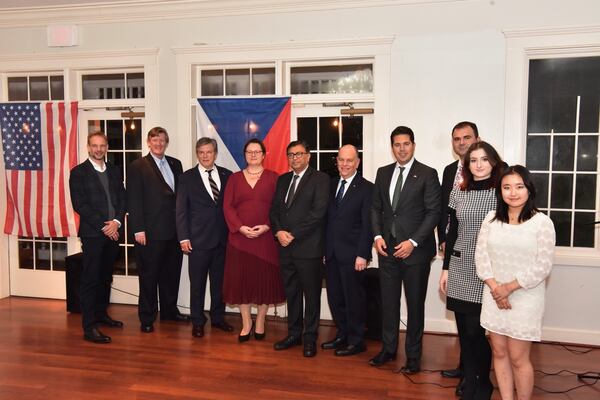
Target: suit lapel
(407, 187)
(352, 188)
(203, 189)
(300, 185)
(387, 183)
(157, 172)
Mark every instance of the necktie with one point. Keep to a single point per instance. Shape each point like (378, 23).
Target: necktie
(291, 192)
(340, 194)
(396, 197)
(213, 185)
(458, 178)
(166, 174)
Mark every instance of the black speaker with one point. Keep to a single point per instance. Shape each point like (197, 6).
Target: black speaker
(373, 291)
(73, 267)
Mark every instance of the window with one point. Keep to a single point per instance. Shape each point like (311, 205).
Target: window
(331, 79)
(237, 81)
(36, 88)
(113, 86)
(562, 144)
(42, 253)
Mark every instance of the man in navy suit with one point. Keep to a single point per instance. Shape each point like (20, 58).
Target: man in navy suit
(202, 233)
(348, 244)
(152, 182)
(98, 197)
(406, 210)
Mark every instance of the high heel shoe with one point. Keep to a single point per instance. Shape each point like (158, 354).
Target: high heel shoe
(246, 337)
(259, 336)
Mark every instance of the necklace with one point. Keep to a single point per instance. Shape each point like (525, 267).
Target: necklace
(254, 173)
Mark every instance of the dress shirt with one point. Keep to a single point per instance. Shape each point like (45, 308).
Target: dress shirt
(215, 177)
(300, 175)
(167, 170)
(348, 182)
(102, 168)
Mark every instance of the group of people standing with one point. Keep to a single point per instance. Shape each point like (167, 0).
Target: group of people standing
(262, 239)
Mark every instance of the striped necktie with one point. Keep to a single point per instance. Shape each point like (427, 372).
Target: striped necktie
(213, 186)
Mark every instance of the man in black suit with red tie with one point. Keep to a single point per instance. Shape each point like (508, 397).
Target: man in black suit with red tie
(464, 134)
(406, 210)
(202, 233)
(298, 221)
(348, 244)
(152, 182)
(98, 197)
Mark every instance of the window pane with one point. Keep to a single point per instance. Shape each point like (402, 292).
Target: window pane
(588, 113)
(119, 268)
(540, 182)
(562, 225)
(313, 160)
(59, 253)
(307, 131)
(584, 229)
(96, 125)
(211, 82)
(563, 153)
(332, 79)
(38, 88)
(352, 131)
(116, 158)
(17, 89)
(237, 81)
(587, 153)
(135, 85)
(562, 191)
(133, 137)
(132, 269)
(329, 133)
(538, 153)
(114, 131)
(564, 113)
(263, 80)
(25, 254)
(42, 255)
(57, 88)
(327, 163)
(105, 86)
(585, 192)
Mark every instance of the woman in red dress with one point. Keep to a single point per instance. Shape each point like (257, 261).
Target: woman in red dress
(251, 260)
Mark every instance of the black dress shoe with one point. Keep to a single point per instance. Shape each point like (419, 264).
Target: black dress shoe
(259, 336)
(310, 349)
(381, 358)
(459, 388)
(147, 328)
(224, 326)
(108, 321)
(95, 336)
(246, 337)
(452, 373)
(198, 331)
(351, 350)
(412, 366)
(287, 342)
(334, 344)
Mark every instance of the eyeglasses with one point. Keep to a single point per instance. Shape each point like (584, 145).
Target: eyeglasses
(254, 152)
(295, 155)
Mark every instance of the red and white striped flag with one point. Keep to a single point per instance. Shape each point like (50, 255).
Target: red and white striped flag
(40, 148)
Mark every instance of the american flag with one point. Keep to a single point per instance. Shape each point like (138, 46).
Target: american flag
(40, 148)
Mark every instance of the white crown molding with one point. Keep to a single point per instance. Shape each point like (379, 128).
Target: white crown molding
(568, 30)
(78, 55)
(149, 10)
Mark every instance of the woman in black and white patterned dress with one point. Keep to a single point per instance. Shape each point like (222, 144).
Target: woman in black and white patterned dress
(468, 206)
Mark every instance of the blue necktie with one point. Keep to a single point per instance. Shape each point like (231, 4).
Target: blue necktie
(166, 173)
(340, 194)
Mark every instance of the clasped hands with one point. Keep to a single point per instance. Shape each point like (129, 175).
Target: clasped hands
(402, 250)
(254, 231)
(500, 294)
(111, 230)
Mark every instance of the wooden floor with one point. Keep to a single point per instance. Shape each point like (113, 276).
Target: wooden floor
(43, 356)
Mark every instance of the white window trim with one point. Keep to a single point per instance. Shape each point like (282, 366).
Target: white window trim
(522, 46)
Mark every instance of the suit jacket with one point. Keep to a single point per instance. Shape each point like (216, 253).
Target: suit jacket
(89, 199)
(447, 185)
(150, 200)
(305, 218)
(199, 218)
(417, 213)
(349, 233)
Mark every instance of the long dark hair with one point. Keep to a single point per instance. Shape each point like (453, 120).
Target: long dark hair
(529, 209)
(494, 159)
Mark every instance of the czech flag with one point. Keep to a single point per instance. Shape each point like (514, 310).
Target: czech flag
(233, 121)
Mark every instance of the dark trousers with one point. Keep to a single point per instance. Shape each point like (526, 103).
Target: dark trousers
(393, 273)
(347, 300)
(99, 256)
(476, 356)
(159, 265)
(203, 264)
(302, 277)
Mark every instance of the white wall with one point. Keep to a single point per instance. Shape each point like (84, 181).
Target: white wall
(447, 64)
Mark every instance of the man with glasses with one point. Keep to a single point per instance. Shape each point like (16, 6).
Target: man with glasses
(298, 221)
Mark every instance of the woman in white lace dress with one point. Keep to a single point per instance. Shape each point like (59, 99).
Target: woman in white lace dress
(514, 255)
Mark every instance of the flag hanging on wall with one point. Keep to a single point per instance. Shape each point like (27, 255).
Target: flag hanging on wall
(232, 122)
(40, 148)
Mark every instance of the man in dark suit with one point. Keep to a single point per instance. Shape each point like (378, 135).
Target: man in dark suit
(348, 244)
(151, 185)
(298, 221)
(98, 197)
(464, 134)
(202, 233)
(406, 210)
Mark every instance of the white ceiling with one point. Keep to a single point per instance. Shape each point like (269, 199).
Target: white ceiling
(54, 3)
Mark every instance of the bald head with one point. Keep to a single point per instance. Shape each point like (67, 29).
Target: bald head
(347, 161)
